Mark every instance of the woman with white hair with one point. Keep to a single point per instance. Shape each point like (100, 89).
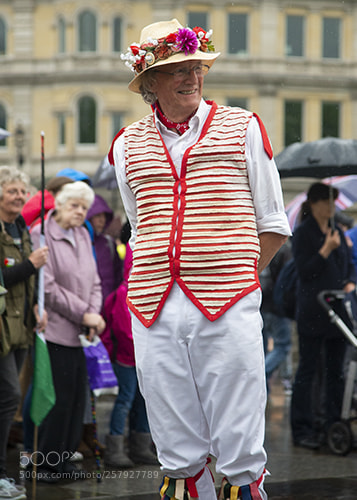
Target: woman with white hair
(19, 265)
(73, 301)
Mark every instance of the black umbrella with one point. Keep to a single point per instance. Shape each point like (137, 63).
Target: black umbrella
(322, 158)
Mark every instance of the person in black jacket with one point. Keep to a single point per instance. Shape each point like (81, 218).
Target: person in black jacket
(323, 261)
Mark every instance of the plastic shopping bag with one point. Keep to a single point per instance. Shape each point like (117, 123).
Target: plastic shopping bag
(102, 379)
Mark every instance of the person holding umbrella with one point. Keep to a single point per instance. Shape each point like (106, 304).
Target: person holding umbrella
(204, 200)
(323, 262)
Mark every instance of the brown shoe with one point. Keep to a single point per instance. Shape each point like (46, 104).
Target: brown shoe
(85, 450)
(89, 433)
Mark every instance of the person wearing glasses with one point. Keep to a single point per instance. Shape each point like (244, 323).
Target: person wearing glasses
(203, 197)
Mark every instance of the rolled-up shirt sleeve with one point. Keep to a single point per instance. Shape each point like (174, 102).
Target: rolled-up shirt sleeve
(265, 185)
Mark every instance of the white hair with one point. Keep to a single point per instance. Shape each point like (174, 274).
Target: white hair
(9, 175)
(147, 79)
(75, 190)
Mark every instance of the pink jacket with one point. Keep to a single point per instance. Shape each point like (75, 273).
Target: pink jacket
(72, 284)
(117, 336)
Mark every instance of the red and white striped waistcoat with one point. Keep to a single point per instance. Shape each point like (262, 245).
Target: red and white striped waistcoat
(198, 229)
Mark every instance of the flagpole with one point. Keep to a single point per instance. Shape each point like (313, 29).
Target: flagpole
(41, 295)
(42, 182)
(34, 463)
(41, 298)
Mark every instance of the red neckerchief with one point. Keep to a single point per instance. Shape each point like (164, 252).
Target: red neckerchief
(180, 127)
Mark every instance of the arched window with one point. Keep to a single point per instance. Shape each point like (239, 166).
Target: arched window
(2, 37)
(117, 34)
(87, 27)
(3, 123)
(61, 35)
(87, 119)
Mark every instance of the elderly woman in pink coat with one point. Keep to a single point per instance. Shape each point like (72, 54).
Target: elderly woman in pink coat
(73, 301)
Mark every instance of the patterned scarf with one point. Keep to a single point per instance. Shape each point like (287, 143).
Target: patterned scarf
(180, 127)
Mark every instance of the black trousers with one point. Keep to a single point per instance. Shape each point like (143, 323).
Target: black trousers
(302, 407)
(10, 395)
(61, 431)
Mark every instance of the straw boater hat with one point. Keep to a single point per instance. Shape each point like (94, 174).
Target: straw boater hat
(167, 42)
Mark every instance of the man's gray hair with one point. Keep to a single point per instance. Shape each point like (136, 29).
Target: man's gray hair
(147, 79)
(12, 174)
(75, 191)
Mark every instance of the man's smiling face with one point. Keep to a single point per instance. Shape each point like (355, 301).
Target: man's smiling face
(179, 96)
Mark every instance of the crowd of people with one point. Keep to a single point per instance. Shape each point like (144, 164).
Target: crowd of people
(186, 311)
(82, 268)
(322, 251)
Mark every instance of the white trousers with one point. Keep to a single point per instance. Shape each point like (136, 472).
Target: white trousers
(204, 387)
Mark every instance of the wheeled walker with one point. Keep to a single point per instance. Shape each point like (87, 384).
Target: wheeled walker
(340, 438)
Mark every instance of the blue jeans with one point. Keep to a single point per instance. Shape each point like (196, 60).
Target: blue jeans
(280, 330)
(128, 402)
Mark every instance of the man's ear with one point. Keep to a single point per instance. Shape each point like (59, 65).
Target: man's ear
(152, 84)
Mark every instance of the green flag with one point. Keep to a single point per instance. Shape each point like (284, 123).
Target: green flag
(43, 391)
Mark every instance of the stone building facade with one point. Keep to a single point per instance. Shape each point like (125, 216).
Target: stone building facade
(292, 62)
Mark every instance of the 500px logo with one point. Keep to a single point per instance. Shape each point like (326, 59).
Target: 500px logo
(38, 458)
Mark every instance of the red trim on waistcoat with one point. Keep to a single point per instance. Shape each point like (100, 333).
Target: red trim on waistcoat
(110, 154)
(266, 141)
(209, 118)
(204, 130)
(147, 323)
(180, 212)
(169, 159)
(212, 317)
(218, 314)
(171, 245)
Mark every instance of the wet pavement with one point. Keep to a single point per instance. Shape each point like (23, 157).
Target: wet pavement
(296, 473)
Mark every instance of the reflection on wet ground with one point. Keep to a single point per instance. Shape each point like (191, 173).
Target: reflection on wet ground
(296, 473)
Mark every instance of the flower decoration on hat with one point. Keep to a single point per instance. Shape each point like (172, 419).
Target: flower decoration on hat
(140, 57)
(186, 41)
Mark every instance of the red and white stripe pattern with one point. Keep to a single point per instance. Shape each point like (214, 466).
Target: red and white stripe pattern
(198, 229)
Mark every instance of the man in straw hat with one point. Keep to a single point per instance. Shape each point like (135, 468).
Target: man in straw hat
(204, 200)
